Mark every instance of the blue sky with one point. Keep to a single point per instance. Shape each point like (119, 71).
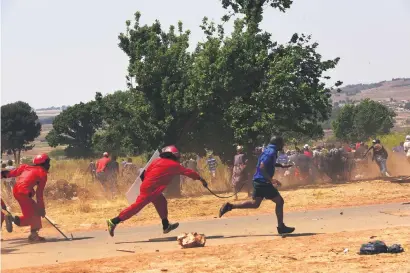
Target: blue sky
(57, 53)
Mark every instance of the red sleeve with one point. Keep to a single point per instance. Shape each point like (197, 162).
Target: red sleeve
(40, 190)
(188, 172)
(17, 171)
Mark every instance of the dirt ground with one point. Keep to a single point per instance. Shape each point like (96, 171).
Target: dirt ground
(318, 253)
(80, 215)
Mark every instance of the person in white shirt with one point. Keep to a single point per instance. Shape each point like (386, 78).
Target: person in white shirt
(406, 147)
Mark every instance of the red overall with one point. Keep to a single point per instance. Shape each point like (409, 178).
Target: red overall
(157, 177)
(23, 191)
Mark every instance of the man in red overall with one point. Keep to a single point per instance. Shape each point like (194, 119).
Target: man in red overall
(155, 179)
(28, 178)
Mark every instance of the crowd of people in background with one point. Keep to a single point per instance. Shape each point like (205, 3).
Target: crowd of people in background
(106, 171)
(306, 165)
(336, 162)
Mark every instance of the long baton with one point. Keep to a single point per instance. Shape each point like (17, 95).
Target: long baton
(55, 226)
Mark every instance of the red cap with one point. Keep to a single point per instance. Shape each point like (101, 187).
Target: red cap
(172, 149)
(40, 159)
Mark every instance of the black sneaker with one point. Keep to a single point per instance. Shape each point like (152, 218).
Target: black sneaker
(224, 209)
(171, 227)
(9, 222)
(35, 238)
(285, 230)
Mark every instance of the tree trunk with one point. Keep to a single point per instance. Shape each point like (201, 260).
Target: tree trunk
(19, 153)
(15, 157)
(174, 188)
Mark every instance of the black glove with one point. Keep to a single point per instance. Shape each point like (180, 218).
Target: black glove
(42, 212)
(204, 183)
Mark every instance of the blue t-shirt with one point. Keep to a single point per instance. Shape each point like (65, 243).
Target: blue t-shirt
(268, 157)
(283, 159)
(211, 164)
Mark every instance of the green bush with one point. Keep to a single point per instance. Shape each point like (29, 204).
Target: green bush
(391, 140)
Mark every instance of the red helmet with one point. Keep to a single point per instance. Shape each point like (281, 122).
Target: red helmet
(172, 149)
(105, 154)
(40, 159)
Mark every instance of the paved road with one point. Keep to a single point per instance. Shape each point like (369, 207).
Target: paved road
(98, 244)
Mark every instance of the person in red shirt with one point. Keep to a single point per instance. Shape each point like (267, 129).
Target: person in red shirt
(23, 191)
(155, 179)
(307, 152)
(101, 166)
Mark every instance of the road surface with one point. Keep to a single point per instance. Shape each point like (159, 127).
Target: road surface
(18, 253)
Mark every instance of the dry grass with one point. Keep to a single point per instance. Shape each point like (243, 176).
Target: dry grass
(318, 253)
(91, 208)
(90, 214)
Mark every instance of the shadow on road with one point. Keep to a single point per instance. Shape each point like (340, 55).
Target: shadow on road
(6, 251)
(23, 242)
(174, 238)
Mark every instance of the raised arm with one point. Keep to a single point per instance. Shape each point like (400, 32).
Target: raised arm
(13, 173)
(368, 151)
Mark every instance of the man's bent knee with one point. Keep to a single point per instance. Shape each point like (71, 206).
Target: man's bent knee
(279, 200)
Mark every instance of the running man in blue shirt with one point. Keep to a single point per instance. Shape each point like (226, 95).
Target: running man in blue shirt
(263, 184)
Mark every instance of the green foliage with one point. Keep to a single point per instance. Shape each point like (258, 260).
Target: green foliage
(19, 127)
(362, 121)
(344, 125)
(391, 140)
(335, 112)
(75, 128)
(129, 126)
(236, 89)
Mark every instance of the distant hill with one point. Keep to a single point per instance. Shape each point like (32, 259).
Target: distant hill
(397, 89)
(47, 115)
(53, 108)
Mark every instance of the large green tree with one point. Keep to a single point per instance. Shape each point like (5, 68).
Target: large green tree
(128, 126)
(19, 127)
(158, 68)
(373, 118)
(232, 89)
(74, 128)
(362, 121)
(344, 124)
